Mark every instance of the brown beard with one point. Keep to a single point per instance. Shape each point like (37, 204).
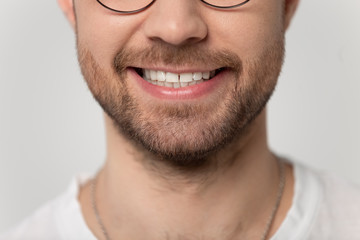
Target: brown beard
(186, 135)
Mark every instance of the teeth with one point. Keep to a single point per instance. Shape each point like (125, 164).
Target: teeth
(192, 83)
(184, 84)
(200, 81)
(186, 77)
(161, 76)
(171, 77)
(147, 74)
(153, 75)
(176, 80)
(206, 75)
(168, 84)
(197, 76)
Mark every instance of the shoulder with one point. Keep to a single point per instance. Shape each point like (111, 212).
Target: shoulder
(341, 198)
(40, 225)
(58, 219)
(338, 213)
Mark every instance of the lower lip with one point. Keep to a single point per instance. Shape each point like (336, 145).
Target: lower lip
(183, 93)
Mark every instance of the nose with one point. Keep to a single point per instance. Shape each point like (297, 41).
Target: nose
(176, 22)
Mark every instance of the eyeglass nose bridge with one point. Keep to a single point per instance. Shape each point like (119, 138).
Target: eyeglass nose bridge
(153, 1)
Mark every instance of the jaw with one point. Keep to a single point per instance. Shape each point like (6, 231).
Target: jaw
(250, 144)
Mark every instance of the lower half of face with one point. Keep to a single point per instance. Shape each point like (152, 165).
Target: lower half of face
(183, 125)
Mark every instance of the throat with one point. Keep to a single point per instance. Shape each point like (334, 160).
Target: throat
(219, 211)
(188, 174)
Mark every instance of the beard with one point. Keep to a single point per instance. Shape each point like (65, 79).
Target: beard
(184, 135)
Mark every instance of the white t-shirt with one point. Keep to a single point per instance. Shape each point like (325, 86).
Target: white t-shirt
(324, 208)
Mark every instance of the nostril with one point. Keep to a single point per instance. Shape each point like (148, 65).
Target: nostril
(176, 25)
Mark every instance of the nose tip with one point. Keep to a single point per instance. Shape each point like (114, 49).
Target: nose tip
(175, 22)
(177, 32)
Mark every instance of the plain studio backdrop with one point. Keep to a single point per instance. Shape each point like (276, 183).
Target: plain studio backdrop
(51, 128)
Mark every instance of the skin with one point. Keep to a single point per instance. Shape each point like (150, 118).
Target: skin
(232, 196)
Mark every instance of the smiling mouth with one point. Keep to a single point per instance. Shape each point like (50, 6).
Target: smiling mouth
(176, 80)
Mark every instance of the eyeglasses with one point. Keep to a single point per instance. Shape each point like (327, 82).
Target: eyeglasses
(134, 6)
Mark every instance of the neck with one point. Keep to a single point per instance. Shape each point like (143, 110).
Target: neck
(229, 198)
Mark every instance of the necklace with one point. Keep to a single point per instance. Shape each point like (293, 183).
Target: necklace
(268, 224)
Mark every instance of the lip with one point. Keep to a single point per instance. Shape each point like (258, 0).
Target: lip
(184, 93)
(178, 70)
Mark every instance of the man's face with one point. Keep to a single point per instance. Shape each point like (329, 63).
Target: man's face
(242, 49)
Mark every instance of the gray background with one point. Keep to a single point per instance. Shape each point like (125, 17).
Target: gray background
(51, 128)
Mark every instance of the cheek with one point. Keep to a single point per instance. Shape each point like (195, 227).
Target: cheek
(102, 32)
(250, 30)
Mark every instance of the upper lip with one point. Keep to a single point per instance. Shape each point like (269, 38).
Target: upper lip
(178, 70)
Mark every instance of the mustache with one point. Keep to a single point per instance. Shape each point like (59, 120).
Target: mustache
(176, 56)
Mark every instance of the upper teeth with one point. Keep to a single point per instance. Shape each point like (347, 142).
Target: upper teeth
(176, 77)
